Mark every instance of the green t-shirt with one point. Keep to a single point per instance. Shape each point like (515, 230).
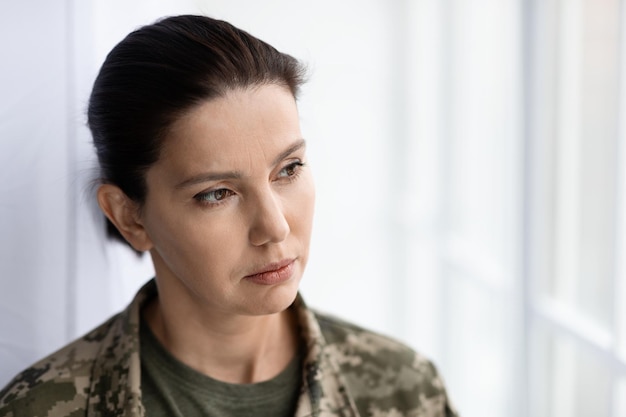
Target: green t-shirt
(172, 389)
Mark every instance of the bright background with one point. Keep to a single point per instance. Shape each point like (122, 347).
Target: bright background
(469, 159)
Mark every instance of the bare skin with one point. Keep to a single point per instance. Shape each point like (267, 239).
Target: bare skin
(227, 221)
(232, 353)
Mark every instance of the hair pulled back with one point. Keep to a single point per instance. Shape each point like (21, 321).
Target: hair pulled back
(159, 72)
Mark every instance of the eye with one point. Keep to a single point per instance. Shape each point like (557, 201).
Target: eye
(291, 170)
(214, 196)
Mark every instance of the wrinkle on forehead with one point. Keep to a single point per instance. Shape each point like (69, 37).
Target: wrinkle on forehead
(246, 127)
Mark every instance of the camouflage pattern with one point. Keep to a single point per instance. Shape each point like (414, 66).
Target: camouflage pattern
(348, 372)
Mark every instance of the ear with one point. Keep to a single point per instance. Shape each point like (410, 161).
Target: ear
(124, 214)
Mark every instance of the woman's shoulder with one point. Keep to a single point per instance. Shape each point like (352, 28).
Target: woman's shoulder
(382, 374)
(358, 340)
(59, 382)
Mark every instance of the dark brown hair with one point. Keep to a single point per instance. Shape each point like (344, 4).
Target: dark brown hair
(159, 72)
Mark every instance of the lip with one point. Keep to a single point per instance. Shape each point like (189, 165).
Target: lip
(273, 273)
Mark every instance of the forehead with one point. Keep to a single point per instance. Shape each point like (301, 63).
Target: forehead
(244, 123)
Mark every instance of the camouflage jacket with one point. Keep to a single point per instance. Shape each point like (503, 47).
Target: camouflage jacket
(348, 371)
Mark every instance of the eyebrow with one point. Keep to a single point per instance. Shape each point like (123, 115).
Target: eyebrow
(233, 175)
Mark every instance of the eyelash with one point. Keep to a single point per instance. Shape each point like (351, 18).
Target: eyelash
(295, 167)
(202, 197)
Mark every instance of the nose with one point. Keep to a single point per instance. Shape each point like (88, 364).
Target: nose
(269, 224)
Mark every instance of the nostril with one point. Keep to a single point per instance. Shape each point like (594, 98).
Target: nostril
(269, 223)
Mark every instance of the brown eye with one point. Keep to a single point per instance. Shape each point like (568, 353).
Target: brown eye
(290, 170)
(220, 194)
(214, 196)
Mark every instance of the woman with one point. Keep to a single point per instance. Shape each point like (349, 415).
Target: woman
(203, 166)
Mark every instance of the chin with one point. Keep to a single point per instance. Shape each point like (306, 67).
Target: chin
(275, 300)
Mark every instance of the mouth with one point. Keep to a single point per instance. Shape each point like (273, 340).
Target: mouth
(273, 273)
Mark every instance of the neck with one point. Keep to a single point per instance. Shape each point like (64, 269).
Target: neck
(239, 349)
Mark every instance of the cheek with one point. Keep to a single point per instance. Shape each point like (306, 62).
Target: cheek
(305, 207)
(191, 238)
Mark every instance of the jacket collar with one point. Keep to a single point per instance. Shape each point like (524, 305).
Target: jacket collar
(116, 378)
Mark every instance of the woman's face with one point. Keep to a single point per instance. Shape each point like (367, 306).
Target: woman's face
(229, 206)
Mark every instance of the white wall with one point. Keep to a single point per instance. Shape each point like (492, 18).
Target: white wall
(35, 182)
